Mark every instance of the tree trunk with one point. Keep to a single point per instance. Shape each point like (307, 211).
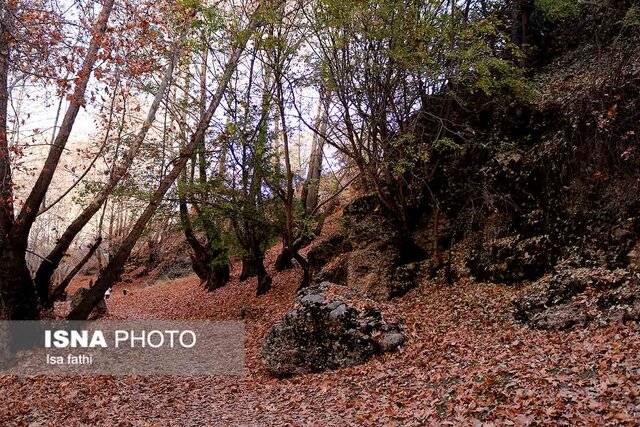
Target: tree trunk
(251, 267)
(18, 299)
(50, 264)
(209, 264)
(312, 184)
(284, 260)
(264, 283)
(113, 270)
(220, 275)
(59, 290)
(6, 182)
(306, 270)
(254, 267)
(212, 275)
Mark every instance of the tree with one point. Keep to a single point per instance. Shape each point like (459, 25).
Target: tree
(397, 73)
(285, 41)
(209, 258)
(250, 205)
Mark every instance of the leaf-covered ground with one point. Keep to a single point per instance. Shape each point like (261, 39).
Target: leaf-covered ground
(467, 363)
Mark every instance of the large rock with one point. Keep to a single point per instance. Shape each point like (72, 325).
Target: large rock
(383, 264)
(330, 327)
(335, 271)
(576, 296)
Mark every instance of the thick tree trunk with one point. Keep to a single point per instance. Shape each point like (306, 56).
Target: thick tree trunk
(284, 261)
(113, 270)
(59, 290)
(17, 294)
(212, 276)
(50, 264)
(254, 267)
(220, 275)
(264, 283)
(251, 267)
(18, 299)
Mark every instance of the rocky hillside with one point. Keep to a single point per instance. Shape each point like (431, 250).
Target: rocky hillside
(546, 196)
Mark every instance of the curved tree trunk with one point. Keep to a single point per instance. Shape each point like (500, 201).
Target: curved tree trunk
(306, 269)
(212, 275)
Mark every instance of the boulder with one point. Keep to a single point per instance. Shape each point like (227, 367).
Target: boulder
(560, 317)
(330, 326)
(335, 271)
(383, 263)
(576, 296)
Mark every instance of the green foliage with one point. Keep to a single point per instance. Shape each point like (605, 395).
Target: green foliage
(557, 10)
(632, 17)
(447, 144)
(480, 67)
(402, 71)
(209, 19)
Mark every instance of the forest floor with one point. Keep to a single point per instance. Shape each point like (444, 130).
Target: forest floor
(467, 362)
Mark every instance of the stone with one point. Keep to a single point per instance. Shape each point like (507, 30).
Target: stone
(324, 251)
(574, 297)
(383, 263)
(391, 341)
(633, 257)
(335, 271)
(512, 259)
(334, 304)
(559, 318)
(339, 311)
(329, 327)
(99, 311)
(312, 299)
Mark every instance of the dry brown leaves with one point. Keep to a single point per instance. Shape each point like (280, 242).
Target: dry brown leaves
(466, 363)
